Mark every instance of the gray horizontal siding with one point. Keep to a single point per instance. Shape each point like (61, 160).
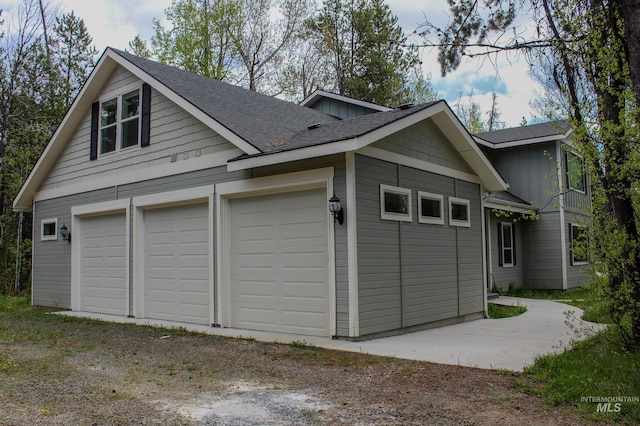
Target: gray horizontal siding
(506, 277)
(340, 109)
(543, 249)
(173, 131)
(413, 273)
(424, 141)
(52, 259)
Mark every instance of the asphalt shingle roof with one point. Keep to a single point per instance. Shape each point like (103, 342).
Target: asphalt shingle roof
(508, 197)
(269, 124)
(533, 131)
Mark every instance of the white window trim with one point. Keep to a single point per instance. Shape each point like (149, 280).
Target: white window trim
(118, 95)
(584, 174)
(395, 216)
(456, 222)
(571, 239)
(53, 237)
(504, 263)
(430, 219)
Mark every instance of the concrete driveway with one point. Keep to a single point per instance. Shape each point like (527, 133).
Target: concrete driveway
(509, 343)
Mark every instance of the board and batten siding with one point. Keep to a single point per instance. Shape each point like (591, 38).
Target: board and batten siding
(543, 248)
(341, 109)
(173, 132)
(411, 273)
(424, 141)
(531, 172)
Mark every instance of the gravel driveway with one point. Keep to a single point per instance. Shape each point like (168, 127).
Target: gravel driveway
(56, 370)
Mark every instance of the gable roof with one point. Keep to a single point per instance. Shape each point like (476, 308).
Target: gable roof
(525, 135)
(318, 95)
(260, 126)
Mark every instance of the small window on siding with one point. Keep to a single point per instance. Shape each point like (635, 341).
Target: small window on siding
(459, 214)
(430, 208)
(507, 244)
(49, 229)
(579, 245)
(395, 203)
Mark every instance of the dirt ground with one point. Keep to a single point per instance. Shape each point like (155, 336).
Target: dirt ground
(56, 370)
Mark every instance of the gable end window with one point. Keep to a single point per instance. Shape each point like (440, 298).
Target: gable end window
(430, 208)
(579, 249)
(49, 229)
(459, 214)
(120, 122)
(576, 177)
(506, 244)
(395, 203)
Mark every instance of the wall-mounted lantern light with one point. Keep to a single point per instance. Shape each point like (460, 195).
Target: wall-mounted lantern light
(65, 233)
(336, 209)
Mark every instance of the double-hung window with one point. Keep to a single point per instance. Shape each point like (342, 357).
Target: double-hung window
(579, 245)
(120, 122)
(507, 244)
(576, 177)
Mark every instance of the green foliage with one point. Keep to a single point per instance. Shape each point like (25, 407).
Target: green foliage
(364, 46)
(200, 36)
(595, 367)
(503, 311)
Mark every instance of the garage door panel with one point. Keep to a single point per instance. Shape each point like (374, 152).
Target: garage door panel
(103, 264)
(279, 263)
(177, 264)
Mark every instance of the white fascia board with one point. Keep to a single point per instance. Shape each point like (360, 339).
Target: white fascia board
(187, 106)
(508, 207)
(523, 142)
(67, 126)
(315, 96)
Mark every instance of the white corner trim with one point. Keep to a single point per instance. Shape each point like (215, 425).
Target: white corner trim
(352, 246)
(563, 231)
(404, 160)
(141, 174)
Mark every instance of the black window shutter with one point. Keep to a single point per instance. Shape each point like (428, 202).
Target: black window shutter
(95, 116)
(500, 254)
(145, 139)
(513, 243)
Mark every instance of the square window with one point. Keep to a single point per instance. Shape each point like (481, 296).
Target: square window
(395, 203)
(49, 230)
(459, 212)
(431, 208)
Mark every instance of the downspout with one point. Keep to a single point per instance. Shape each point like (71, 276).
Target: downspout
(486, 254)
(563, 237)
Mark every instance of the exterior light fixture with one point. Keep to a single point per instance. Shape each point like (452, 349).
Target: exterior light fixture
(65, 233)
(336, 209)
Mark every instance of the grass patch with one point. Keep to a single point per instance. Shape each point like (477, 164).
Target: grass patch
(595, 309)
(595, 367)
(501, 311)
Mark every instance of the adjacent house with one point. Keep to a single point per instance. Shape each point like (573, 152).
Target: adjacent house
(167, 195)
(547, 182)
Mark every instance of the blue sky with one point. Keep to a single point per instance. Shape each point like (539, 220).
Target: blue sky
(115, 22)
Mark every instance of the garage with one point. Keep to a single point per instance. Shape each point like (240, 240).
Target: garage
(176, 264)
(280, 263)
(103, 264)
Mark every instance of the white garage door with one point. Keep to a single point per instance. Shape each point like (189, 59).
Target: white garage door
(279, 263)
(177, 264)
(103, 265)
